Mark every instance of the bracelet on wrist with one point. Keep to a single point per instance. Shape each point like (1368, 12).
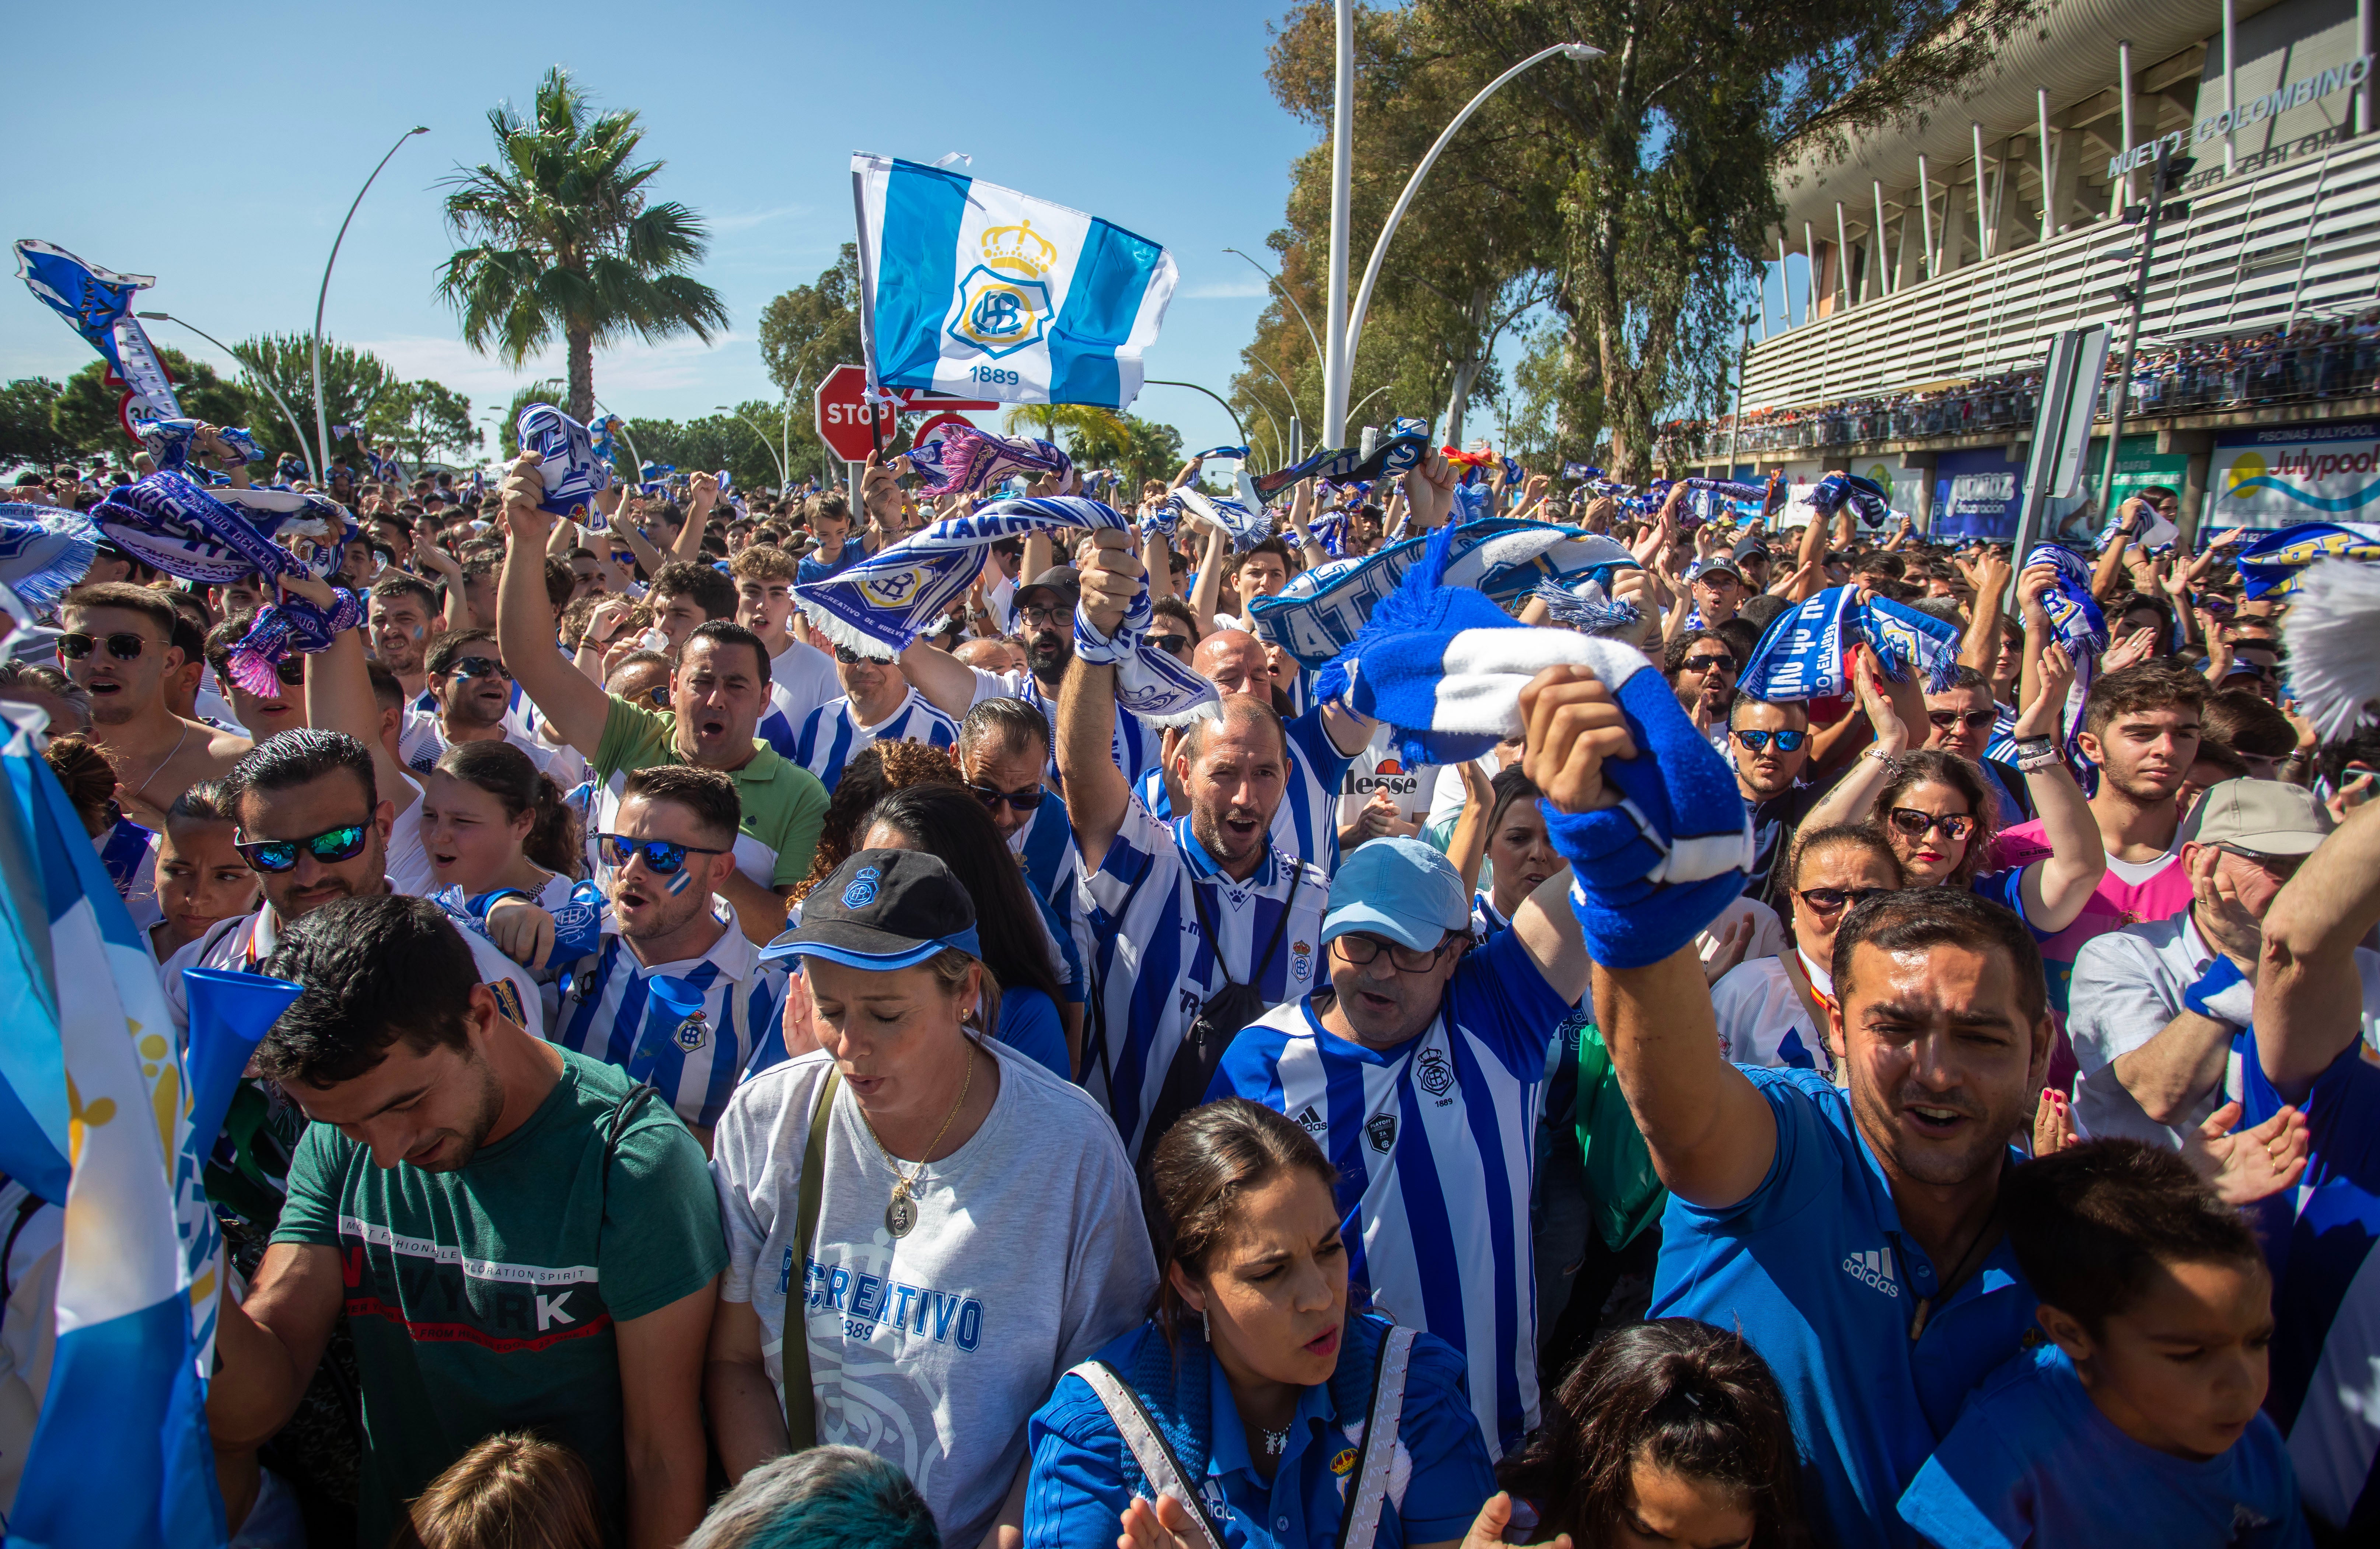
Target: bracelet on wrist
(2037, 763)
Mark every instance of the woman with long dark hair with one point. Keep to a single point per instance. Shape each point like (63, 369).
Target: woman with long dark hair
(1260, 1412)
(504, 851)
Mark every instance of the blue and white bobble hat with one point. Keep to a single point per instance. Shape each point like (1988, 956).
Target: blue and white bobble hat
(883, 909)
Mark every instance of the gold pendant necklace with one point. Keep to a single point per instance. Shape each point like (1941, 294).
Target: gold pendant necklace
(901, 1212)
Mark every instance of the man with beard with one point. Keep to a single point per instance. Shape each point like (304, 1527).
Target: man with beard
(117, 647)
(1045, 612)
(401, 615)
(519, 1237)
(718, 690)
(670, 846)
(1204, 920)
(2139, 726)
(313, 826)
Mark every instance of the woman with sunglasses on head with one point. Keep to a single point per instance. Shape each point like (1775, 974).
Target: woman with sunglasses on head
(1771, 1008)
(925, 1228)
(1936, 811)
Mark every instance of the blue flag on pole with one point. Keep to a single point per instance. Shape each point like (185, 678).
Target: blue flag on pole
(979, 291)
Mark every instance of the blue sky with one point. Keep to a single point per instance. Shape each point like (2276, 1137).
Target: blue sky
(238, 134)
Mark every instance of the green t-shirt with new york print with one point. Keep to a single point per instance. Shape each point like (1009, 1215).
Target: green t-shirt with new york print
(484, 1300)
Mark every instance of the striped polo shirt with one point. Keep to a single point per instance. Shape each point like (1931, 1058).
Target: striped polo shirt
(833, 735)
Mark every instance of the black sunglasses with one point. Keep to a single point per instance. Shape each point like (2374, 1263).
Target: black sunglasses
(124, 647)
(846, 655)
(1826, 901)
(291, 671)
(478, 667)
(1913, 822)
(1173, 644)
(1026, 799)
(1705, 663)
(1974, 720)
(1756, 740)
(330, 847)
(661, 856)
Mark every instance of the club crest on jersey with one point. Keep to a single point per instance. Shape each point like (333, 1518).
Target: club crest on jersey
(692, 1032)
(862, 892)
(1301, 959)
(1436, 1077)
(1381, 1131)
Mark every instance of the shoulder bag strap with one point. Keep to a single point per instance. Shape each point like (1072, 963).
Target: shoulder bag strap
(793, 1349)
(1368, 1499)
(1138, 1428)
(1281, 926)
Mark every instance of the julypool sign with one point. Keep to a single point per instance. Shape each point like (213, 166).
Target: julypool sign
(848, 423)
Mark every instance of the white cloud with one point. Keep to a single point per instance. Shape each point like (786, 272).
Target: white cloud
(754, 218)
(1225, 290)
(634, 366)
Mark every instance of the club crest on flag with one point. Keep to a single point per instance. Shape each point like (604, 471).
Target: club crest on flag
(1004, 301)
(891, 591)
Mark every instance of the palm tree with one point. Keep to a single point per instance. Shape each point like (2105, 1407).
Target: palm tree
(568, 240)
(1083, 423)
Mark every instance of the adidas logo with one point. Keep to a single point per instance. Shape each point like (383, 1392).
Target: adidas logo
(1309, 1120)
(1873, 1268)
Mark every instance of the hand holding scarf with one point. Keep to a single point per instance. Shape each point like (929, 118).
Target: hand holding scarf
(1805, 653)
(572, 472)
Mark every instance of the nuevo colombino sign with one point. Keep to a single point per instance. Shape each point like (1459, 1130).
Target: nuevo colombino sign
(2295, 93)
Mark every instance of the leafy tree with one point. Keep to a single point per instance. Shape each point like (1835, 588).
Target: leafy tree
(716, 441)
(570, 241)
(353, 382)
(26, 434)
(809, 331)
(422, 418)
(85, 413)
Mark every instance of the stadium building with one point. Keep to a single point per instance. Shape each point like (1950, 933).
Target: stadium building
(1928, 268)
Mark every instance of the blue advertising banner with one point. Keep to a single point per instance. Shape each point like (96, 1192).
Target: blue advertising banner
(1977, 494)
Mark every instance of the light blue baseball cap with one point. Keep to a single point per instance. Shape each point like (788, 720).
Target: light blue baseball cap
(1400, 889)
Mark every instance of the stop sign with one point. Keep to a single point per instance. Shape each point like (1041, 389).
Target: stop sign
(845, 422)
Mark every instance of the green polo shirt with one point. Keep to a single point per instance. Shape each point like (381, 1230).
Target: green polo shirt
(784, 806)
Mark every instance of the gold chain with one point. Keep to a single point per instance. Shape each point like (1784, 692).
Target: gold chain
(903, 1187)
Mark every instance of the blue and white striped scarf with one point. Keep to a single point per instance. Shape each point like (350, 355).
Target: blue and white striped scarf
(2269, 567)
(1865, 495)
(1244, 520)
(1444, 668)
(1805, 653)
(1394, 454)
(961, 458)
(1318, 614)
(2076, 623)
(573, 476)
(1237, 453)
(883, 604)
(43, 552)
(168, 442)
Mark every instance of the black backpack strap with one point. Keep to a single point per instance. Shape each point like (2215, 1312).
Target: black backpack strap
(1281, 926)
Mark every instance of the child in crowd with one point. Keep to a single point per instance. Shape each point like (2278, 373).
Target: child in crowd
(1668, 1432)
(2140, 1421)
(200, 878)
(510, 1492)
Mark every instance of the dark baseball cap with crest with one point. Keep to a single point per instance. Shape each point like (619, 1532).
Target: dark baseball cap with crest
(883, 909)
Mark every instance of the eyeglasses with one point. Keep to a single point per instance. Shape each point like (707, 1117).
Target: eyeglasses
(1053, 616)
(1974, 720)
(846, 655)
(2278, 865)
(330, 847)
(291, 671)
(1706, 663)
(661, 856)
(657, 695)
(1913, 822)
(1360, 950)
(479, 667)
(1029, 799)
(124, 647)
(1826, 900)
(1752, 740)
(1173, 644)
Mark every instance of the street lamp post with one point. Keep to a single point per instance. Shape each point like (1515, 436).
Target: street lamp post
(1342, 155)
(1335, 420)
(1274, 280)
(322, 417)
(317, 473)
(1237, 428)
(762, 436)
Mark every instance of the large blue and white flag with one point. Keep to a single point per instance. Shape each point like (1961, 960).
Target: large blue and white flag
(97, 304)
(120, 1457)
(979, 291)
